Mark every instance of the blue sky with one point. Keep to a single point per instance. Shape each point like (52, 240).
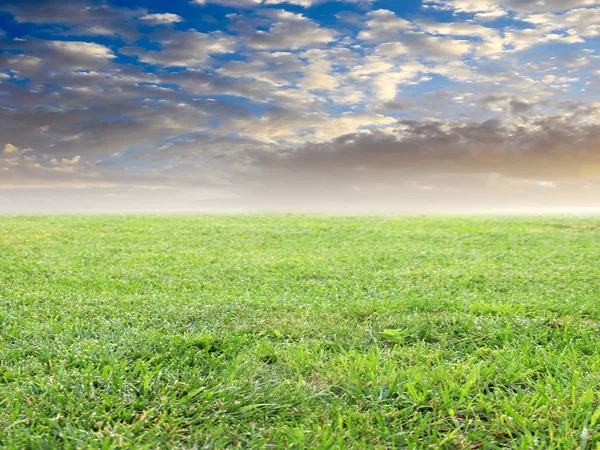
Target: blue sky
(243, 98)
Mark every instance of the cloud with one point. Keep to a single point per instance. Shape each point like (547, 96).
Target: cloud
(290, 31)
(558, 145)
(383, 25)
(493, 43)
(318, 72)
(71, 162)
(434, 47)
(161, 18)
(10, 149)
(184, 49)
(529, 6)
(231, 3)
(87, 50)
(71, 55)
(399, 36)
(493, 9)
(577, 23)
(288, 126)
(255, 3)
(82, 16)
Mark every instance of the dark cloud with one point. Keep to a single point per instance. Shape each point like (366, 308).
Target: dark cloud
(76, 17)
(536, 148)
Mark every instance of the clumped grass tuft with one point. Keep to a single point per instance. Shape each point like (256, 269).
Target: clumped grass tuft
(299, 332)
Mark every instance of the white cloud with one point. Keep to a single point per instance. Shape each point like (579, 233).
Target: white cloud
(385, 86)
(318, 72)
(9, 148)
(383, 25)
(529, 6)
(291, 127)
(290, 31)
(254, 3)
(519, 40)
(72, 161)
(460, 29)
(436, 47)
(493, 9)
(371, 65)
(577, 23)
(161, 18)
(85, 49)
(350, 123)
(185, 49)
(392, 49)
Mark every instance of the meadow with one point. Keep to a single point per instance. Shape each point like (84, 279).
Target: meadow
(291, 331)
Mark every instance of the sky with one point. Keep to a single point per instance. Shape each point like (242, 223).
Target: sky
(347, 105)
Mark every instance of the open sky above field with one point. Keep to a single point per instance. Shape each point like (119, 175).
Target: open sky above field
(384, 104)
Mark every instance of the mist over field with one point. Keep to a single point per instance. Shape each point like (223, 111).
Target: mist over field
(350, 201)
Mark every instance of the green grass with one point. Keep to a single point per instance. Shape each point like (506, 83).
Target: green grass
(299, 332)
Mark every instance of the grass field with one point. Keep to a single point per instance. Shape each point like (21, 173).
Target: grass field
(299, 332)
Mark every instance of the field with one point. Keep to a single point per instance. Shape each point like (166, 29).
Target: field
(299, 332)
